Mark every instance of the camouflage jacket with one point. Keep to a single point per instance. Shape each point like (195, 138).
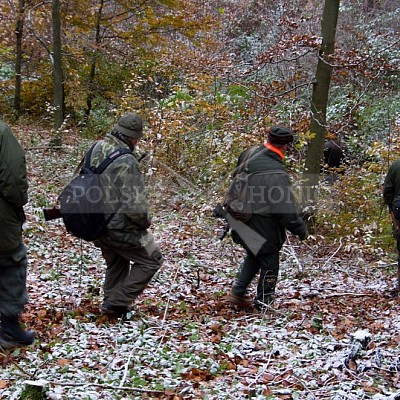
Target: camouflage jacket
(13, 189)
(125, 194)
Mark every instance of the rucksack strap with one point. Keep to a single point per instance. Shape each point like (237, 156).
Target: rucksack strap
(245, 162)
(88, 156)
(110, 158)
(107, 161)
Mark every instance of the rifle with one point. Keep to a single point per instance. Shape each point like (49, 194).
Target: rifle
(253, 240)
(52, 213)
(396, 235)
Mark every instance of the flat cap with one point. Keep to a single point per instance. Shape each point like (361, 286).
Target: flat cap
(280, 135)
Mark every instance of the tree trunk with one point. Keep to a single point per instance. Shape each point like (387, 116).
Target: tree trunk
(18, 58)
(57, 74)
(92, 74)
(319, 104)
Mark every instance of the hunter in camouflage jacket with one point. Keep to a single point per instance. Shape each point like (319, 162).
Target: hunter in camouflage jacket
(125, 195)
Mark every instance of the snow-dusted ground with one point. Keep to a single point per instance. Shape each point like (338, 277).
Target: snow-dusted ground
(332, 333)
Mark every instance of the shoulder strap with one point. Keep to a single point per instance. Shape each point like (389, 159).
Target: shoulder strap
(269, 172)
(107, 161)
(245, 162)
(88, 156)
(110, 158)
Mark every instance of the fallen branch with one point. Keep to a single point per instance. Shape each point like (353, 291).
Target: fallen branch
(105, 386)
(334, 253)
(15, 364)
(44, 148)
(349, 294)
(327, 296)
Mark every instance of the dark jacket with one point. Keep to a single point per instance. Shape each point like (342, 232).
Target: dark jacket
(275, 208)
(126, 192)
(13, 189)
(391, 186)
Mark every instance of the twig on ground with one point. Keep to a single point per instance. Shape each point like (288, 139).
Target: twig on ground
(349, 294)
(105, 386)
(334, 253)
(294, 255)
(16, 365)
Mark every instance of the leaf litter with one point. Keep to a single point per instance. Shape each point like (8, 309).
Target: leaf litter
(332, 332)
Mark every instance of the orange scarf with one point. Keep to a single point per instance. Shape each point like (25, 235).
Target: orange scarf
(274, 149)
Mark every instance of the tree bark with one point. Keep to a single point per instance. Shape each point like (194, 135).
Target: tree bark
(18, 58)
(57, 74)
(319, 104)
(92, 74)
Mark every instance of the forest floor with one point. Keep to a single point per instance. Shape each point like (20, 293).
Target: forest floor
(332, 332)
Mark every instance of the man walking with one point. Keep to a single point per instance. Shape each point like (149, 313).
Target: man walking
(130, 252)
(13, 260)
(391, 197)
(272, 211)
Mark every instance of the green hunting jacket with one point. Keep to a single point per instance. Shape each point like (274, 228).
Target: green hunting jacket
(126, 196)
(273, 202)
(13, 189)
(391, 186)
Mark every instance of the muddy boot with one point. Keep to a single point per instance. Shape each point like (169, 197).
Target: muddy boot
(240, 301)
(12, 334)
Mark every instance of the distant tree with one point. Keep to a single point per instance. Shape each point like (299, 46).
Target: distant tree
(93, 62)
(319, 102)
(58, 100)
(18, 57)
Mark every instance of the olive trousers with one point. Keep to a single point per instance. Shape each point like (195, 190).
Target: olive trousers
(129, 271)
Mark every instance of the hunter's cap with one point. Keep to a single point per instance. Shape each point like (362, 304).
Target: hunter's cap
(130, 124)
(280, 135)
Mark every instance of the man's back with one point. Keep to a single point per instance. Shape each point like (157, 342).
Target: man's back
(391, 187)
(261, 159)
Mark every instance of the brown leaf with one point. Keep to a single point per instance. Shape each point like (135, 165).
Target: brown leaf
(216, 338)
(267, 377)
(62, 362)
(352, 365)
(3, 384)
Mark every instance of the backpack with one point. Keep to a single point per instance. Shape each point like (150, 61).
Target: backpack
(82, 204)
(237, 200)
(396, 208)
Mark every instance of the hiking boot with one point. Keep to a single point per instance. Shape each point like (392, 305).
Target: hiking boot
(115, 311)
(12, 335)
(240, 301)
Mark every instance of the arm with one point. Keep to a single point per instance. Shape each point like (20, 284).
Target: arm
(133, 195)
(389, 188)
(13, 180)
(286, 212)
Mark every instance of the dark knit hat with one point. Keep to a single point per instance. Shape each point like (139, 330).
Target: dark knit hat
(130, 124)
(280, 135)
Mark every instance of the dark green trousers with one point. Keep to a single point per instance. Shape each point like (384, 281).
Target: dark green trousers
(13, 295)
(129, 271)
(266, 263)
